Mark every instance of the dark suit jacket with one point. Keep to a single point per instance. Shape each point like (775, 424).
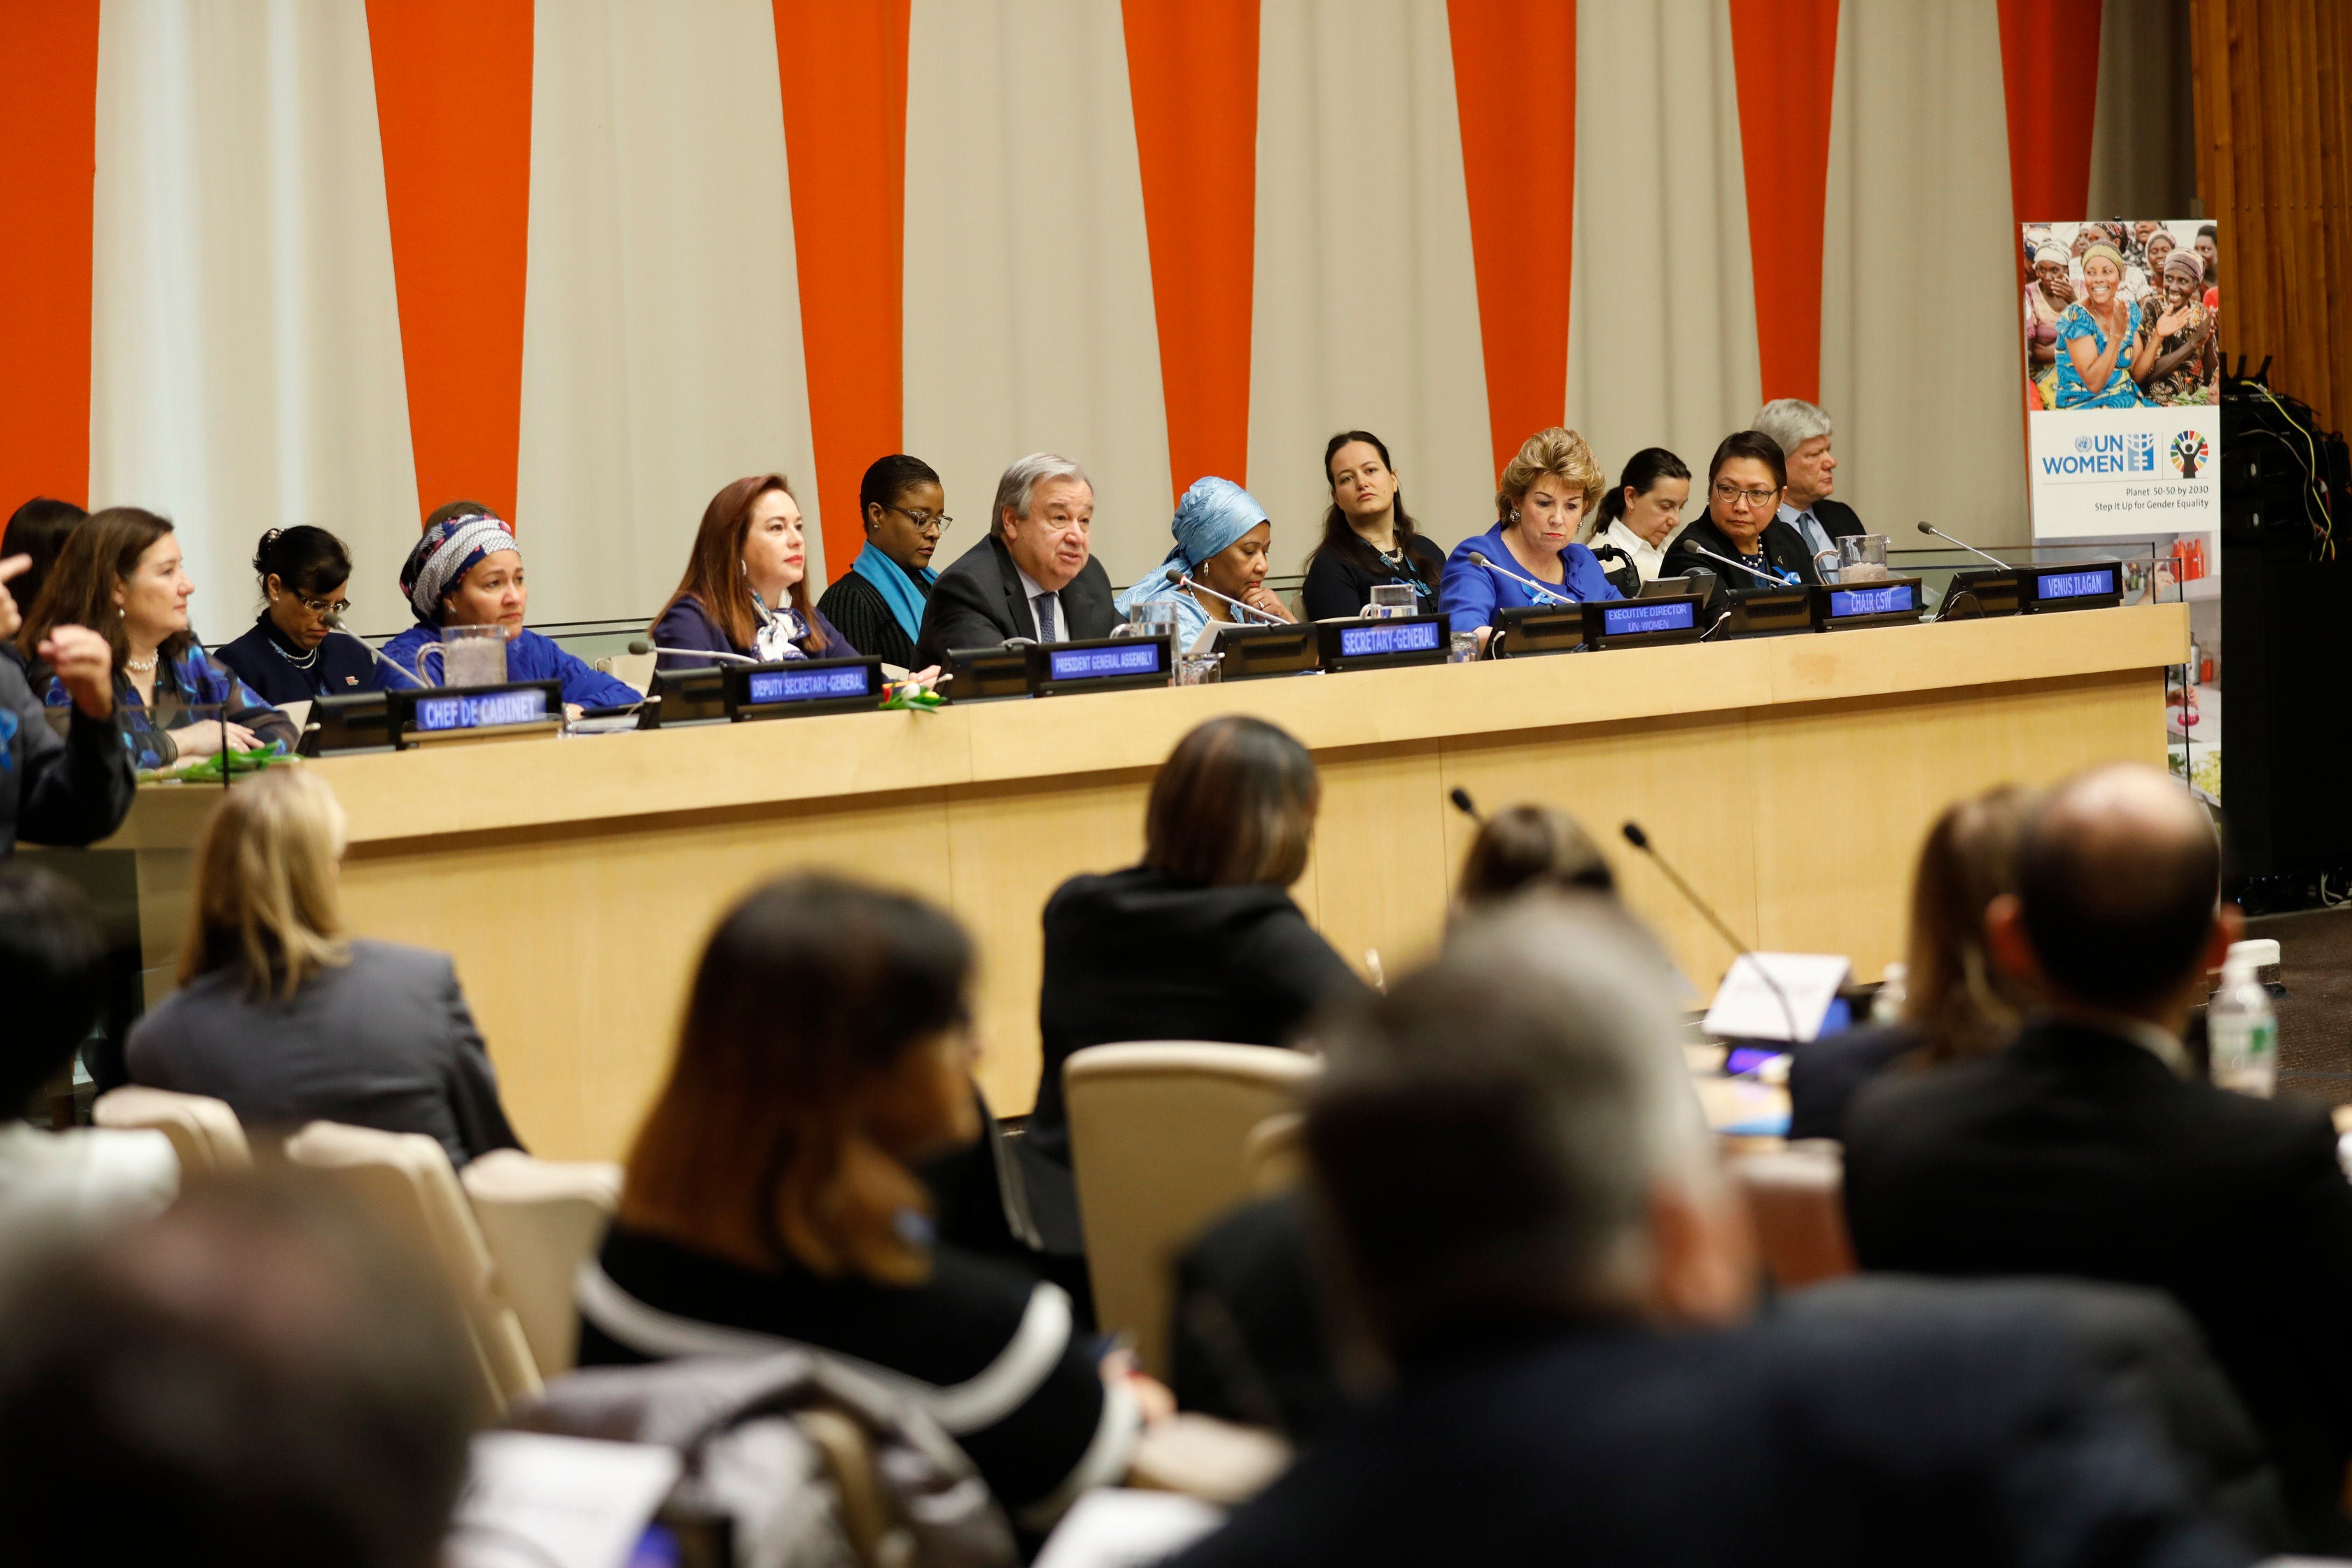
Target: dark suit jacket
(1782, 545)
(384, 1041)
(1929, 1432)
(2079, 1153)
(1824, 1075)
(1837, 519)
(978, 603)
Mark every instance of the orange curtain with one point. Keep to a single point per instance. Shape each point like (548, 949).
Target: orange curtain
(1192, 71)
(1784, 56)
(2050, 71)
(842, 69)
(1515, 92)
(48, 162)
(453, 109)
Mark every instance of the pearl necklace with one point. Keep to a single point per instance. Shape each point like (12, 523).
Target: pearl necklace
(140, 666)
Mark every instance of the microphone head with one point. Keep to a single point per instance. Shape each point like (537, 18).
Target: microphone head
(1477, 559)
(640, 645)
(333, 622)
(1927, 528)
(1634, 835)
(1463, 804)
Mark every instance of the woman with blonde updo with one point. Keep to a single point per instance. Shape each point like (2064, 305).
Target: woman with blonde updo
(1541, 503)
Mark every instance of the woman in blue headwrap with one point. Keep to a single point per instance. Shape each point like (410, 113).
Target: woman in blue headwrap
(468, 571)
(1222, 543)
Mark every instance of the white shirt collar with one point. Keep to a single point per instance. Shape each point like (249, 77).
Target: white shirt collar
(1649, 557)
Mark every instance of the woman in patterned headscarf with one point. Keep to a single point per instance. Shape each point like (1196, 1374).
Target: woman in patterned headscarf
(2186, 358)
(468, 571)
(2104, 344)
(2046, 299)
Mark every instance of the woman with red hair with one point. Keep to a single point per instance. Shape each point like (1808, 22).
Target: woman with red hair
(746, 585)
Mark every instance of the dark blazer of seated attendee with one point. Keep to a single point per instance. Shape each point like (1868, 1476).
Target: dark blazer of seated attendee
(746, 585)
(2093, 1147)
(1546, 493)
(1033, 576)
(770, 1199)
(1957, 1004)
(1802, 430)
(72, 788)
(290, 654)
(1542, 1280)
(121, 575)
(1369, 538)
(1744, 483)
(1199, 941)
(879, 602)
(288, 1018)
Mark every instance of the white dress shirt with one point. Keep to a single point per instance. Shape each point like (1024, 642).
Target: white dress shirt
(1647, 557)
(1033, 592)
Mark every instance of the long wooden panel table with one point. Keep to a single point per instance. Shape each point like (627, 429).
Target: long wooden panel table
(1789, 778)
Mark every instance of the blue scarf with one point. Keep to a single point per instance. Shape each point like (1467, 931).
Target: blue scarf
(898, 589)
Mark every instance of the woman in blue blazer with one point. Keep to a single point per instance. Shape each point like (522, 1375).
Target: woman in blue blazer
(1544, 496)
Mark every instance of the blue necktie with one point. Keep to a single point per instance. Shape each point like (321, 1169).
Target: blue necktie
(1044, 605)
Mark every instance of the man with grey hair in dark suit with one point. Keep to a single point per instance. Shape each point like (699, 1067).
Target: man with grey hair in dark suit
(1033, 576)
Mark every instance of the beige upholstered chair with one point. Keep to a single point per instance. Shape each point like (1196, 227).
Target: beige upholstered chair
(205, 1132)
(636, 668)
(1159, 1136)
(1276, 1155)
(405, 1179)
(542, 1219)
(1797, 1197)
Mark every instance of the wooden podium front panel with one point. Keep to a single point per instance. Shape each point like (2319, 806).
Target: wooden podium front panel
(575, 881)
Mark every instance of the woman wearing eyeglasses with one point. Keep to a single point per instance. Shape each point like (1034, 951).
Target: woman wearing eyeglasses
(291, 655)
(1744, 542)
(879, 602)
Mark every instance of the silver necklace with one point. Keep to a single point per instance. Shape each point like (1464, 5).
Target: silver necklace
(305, 662)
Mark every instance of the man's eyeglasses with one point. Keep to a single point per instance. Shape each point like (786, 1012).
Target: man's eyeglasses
(924, 521)
(1731, 495)
(320, 607)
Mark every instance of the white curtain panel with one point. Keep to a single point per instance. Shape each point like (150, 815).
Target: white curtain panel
(1662, 313)
(1920, 364)
(1366, 302)
(246, 367)
(661, 326)
(1028, 313)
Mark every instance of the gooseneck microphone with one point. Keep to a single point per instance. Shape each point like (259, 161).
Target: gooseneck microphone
(1272, 620)
(1555, 596)
(642, 646)
(1465, 806)
(1931, 528)
(1778, 580)
(1641, 840)
(335, 624)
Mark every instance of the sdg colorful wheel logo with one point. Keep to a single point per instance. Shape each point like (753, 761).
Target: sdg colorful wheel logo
(2188, 453)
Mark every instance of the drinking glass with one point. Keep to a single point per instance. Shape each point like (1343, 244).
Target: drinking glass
(1199, 668)
(1156, 619)
(1862, 558)
(1465, 647)
(470, 656)
(1391, 601)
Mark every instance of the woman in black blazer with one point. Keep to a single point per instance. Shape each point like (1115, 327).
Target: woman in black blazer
(1201, 941)
(288, 1019)
(1744, 484)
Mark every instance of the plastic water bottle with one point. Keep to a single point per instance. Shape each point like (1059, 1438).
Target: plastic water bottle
(2243, 1028)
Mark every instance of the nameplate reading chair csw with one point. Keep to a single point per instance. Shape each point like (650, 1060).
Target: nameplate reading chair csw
(1159, 1135)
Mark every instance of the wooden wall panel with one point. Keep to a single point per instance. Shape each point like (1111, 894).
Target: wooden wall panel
(2273, 133)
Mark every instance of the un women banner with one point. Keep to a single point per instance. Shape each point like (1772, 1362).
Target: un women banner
(2123, 357)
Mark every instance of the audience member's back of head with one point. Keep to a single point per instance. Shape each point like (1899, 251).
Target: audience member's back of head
(50, 972)
(1491, 1134)
(1234, 803)
(822, 1054)
(268, 904)
(1953, 992)
(1522, 847)
(2119, 871)
(251, 1378)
